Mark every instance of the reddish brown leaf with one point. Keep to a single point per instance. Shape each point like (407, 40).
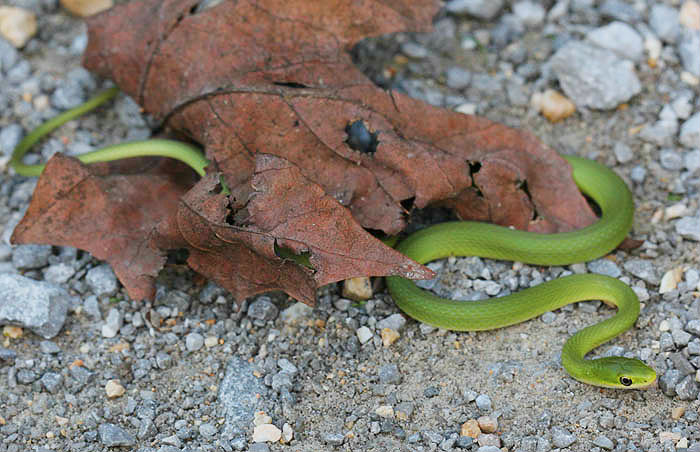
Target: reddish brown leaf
(269, 89)
(108, 210)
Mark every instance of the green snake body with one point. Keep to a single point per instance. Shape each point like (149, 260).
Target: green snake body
(467, 238)
(471, 238)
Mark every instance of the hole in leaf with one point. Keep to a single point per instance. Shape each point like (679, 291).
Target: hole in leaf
(290, 84)
(407, 204)
(522, 185)
(286, 253)
(360, 138)
(474, 168)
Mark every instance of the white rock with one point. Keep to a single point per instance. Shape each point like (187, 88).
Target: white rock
(364, 334)
(17, 25)
(266, 433)
(296, 312)
(84, 8)
(670, 280)
(385, 411)
(114, 389)
(287, 433)
(675, 211)
(261, 418)
(689, 15)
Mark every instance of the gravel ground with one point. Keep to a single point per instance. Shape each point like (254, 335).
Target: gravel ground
(92, 370)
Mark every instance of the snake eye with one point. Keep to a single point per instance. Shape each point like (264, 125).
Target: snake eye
(626, 381)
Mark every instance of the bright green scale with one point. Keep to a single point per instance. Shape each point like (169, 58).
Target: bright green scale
(480, 239)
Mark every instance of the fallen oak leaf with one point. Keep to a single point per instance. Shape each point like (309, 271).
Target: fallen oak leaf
(108, 209)
(269, 77)
(236, 248)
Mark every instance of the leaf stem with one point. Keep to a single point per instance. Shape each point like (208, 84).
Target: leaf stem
(186, 153)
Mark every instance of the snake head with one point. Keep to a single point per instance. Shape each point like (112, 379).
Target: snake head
(622, 373)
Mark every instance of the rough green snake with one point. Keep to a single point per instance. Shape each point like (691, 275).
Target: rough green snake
(465, 238)
(481, 239)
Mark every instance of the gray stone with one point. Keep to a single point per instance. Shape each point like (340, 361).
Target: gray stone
(691, 160)
(562, 437)
(689, 50)
(663, 19)
(689, 228)
(8, 55)
(287, 366)
(619, 10)
(594, 77)
(483, 402)
(10, 136)
(67, 95)
(670, 159)
(26, 376)
(259, 447)
(37, 305)
(431, 436)
(334, 439)
(59, 273)
(623, 153)
(176, 299)
(207, 430)
(7, 354)
(281, 380)
(19, 72)
(481, 9)
(603, 442)
(113, 323)
(604, 267)
(638, 174)
(529, 13)
(668, 382)
(389, 374)
(129, 112)
(690, 132)
(619, 38)
(49, 347)
(92, 308)
(660, 133)
(693, 326)
(687, 389)
(112, 435)
(394, 321)
(52, 382)
(237, 396)
(642, 269)
(101, 280)
(488, 449)
(458, 77)
(194, 341)
(163, 360)
(263, 309)
(30, 256)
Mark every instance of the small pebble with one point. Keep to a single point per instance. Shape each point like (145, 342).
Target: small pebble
(394, 322)
(266, 433)
(334, 439)
(385, 411)
(112, 435)
(358, 289)
(603, 442)
(194, 342)
(689, 228)
(471, 429)
(84, 8)
(114, 389)
(689, 15)
(389, 374)
(17, 25)
(389, 336)
(670, 280)
(487, 424)
(364, 334)
(113, 323)
(483, 402)
(260, 418)
(562, 437)
(287, 433)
